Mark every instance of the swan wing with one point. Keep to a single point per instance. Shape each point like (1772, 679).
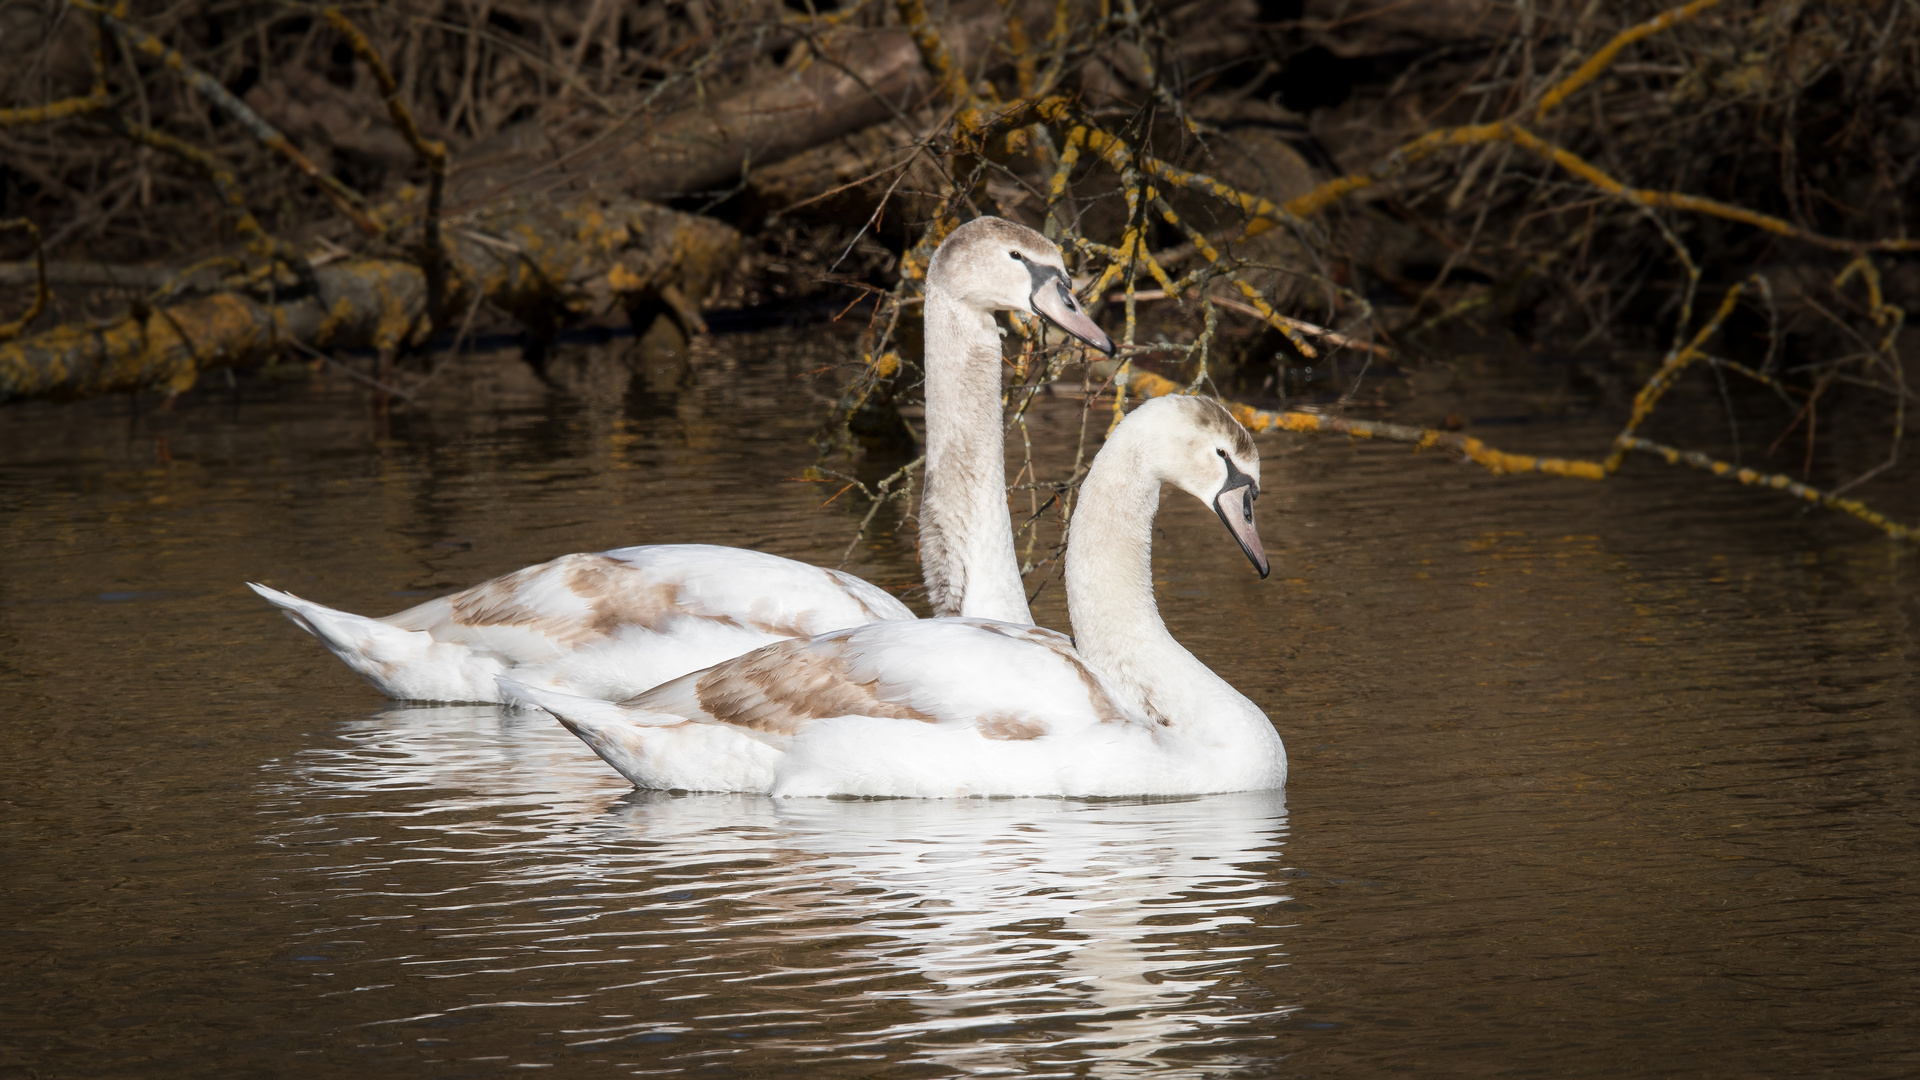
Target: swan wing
(607, 625)
(541, 611)
(1001, 680)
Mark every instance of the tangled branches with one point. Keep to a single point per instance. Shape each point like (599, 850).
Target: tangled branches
(1175, 209)
(423, 267)
(1301, 208)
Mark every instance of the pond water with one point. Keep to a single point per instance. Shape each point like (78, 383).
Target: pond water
(1588, 780)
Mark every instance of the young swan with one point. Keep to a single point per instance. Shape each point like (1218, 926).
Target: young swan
(966, 540)
(960, 706)
(613, 623)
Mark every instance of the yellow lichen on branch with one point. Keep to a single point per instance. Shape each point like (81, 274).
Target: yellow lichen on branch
(1663, 380)
(1503, 131)
(973, 126)
(933, 51)
(431, 152)
(11, 330)
(93, 101)
(164, 348)
(259, 243)
(1499, 462)
(1145, 384)
(976, 125)
(1776, 481)
(546, 263)
(1606, 54)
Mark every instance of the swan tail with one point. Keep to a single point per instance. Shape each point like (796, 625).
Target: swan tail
(290, 605)
(577, 712)
(405, 664)
(613, 731)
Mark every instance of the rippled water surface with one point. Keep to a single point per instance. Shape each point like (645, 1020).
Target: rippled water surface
(1588, 780)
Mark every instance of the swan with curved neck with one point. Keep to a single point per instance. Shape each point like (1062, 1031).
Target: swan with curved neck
(611, 624)
(970, 707)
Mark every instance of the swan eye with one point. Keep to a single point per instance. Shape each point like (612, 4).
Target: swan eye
(1222, 453)
(1014, 255)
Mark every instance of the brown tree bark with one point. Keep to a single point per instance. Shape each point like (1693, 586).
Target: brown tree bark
(839, 85)
(542, 261)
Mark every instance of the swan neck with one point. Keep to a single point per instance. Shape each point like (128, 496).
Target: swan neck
(966, 538)
(1116, 624)
(1118, 631)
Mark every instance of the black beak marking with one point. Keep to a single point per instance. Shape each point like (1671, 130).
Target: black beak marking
(1243, 530)
(1052, 298)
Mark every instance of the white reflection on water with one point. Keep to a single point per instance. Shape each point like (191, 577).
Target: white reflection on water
(1107, 938)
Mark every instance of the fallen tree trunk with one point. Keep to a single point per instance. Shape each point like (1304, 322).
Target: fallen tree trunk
(838, 85)
(544, 262)
(546, 236)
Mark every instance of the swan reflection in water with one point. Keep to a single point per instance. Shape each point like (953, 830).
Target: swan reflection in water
(1110, 937)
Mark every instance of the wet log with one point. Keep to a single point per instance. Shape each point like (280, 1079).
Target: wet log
(546, 262)
(831, 87)
(547, 236)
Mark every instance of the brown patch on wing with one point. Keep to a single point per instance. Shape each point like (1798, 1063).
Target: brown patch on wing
(609, 586)
(1039, 635)
(616, 594)
(595, 579)
(850, 585)
(778, 688)
(1009, 726)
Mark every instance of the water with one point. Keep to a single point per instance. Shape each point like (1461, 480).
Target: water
(1588, 780)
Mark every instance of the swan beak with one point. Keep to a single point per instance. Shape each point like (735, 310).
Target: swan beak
(1235, 507)
(1053, 298)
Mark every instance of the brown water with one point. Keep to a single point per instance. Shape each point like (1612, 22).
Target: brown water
(1588, 780)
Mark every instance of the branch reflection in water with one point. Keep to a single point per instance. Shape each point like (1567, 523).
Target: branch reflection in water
(488, 847)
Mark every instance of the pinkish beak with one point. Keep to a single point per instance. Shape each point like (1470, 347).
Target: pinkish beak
(1235, 507)
(1055, 300)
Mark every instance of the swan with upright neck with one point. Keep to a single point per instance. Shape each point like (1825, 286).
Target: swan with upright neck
(613, 623)
(956, 707)
(966, 542)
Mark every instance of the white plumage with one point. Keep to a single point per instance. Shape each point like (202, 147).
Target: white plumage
(613, 623)
(965, 707)
(609, 624)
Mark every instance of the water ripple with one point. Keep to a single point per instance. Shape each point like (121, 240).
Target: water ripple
(477, 847)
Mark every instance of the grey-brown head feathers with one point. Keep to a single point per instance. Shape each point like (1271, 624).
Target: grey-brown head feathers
(1212, 417)
(991, 237)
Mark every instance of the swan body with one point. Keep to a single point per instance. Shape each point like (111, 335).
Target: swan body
(611, 624)
(964, 706)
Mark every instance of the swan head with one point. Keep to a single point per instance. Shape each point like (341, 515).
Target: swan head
(1202, 450)
(994, 264)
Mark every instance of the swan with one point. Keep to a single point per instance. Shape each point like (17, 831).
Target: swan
(610, 624)
(952, 707)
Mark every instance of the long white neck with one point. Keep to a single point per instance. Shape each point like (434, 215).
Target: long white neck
(966, 539)
(1117, 627)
